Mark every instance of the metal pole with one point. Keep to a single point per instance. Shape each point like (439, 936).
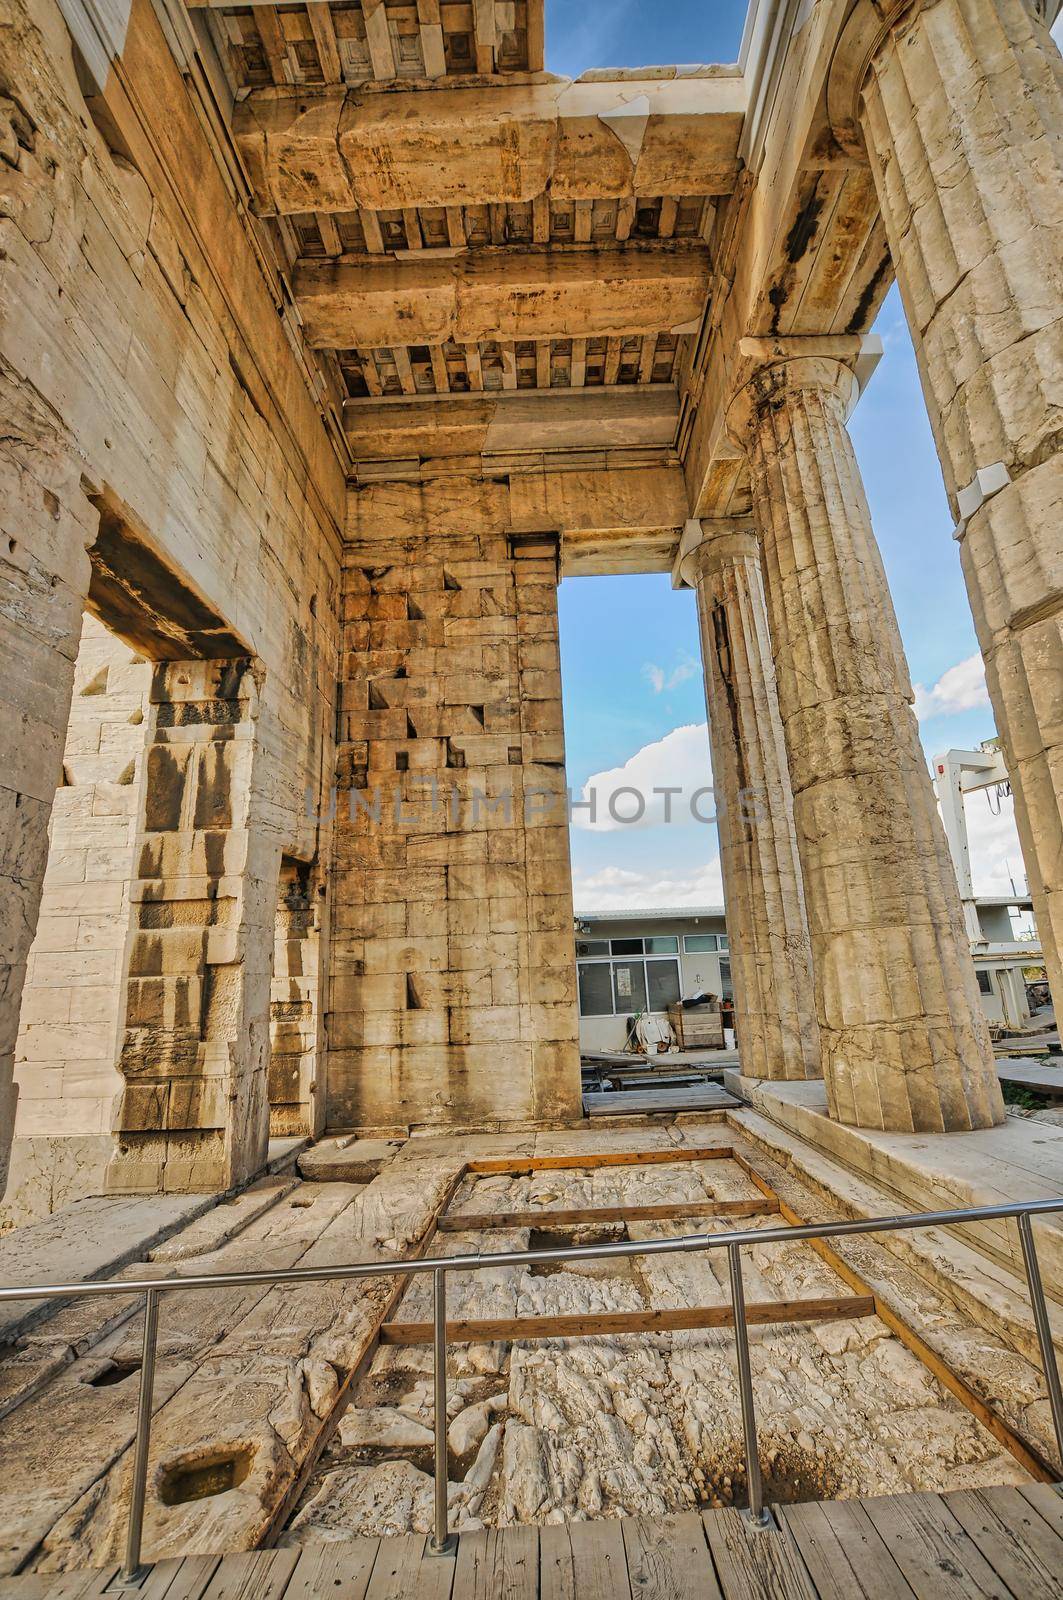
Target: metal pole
(440, 1538)
(1044, 1329)
(131, 1567)
(757, 1515)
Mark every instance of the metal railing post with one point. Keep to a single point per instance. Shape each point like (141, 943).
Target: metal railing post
(441, 1541)
(131, 1567)
(757, 1515)
(1044, 1328)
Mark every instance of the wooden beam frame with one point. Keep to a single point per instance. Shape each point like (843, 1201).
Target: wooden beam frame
(607, 1324)
(675, 1211)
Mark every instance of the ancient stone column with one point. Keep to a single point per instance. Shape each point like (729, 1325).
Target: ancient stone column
(771, 962)
(959, 103)
(905, 1044)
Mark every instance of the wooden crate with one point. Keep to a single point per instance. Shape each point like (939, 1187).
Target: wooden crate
(697, 1027)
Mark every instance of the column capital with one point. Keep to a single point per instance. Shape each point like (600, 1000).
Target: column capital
(710, 542)
(770, 386)
(866, 30)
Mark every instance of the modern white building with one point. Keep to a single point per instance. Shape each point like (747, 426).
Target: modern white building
(644, 961)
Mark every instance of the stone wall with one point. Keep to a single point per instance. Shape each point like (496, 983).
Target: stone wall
(67, 1042)
(452, 994)
(146, 374)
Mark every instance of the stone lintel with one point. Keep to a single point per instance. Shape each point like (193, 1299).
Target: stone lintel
(341, 149)
(502, 293)
(405, 427)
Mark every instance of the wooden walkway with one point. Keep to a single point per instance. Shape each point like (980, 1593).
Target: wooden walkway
(1006, 1544)
(653, 1102)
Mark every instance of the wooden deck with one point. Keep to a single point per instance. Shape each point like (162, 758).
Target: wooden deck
(1001, 1543)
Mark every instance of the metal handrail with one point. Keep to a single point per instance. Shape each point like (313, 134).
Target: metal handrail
(439, 1266)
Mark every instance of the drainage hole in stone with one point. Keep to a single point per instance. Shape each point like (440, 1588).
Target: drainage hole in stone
(210, 1475)
(561, 1238)
(117, 1372)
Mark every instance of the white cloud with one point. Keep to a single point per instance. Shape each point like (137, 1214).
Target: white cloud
(679, 761)
(993, 840)
(961, 688)
(620, 889)
(659, 680)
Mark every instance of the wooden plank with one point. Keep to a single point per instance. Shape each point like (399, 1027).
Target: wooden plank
(647, 1102)
(610, 1323)
(599, 1561)
(1022, 1449)
(1047, 1503)
(751, 1564)
(187, 1582)
(321, 26)
(936, 1556)
(843, 1553)
(521, 1166)
(668, 1558)
(471, 1221)
(252, 1575)
(397, 1568)
(1019, 1546)
(78, 1585)
(378, 36)
(498, 1564)
(342, 1570)
(557, 1581)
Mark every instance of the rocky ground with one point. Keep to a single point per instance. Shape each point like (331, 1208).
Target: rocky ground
(250, 1381)
(563, 1429)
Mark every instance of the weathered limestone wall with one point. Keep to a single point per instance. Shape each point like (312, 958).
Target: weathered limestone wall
(771, 959)
(144, 368)
(963, 115)
(452, 993)
(296, 1098)
(905, 1043)
(65, 1059)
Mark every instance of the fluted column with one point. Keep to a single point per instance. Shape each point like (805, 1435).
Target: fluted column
(905, 1044)
(771, 961)
(961, 109)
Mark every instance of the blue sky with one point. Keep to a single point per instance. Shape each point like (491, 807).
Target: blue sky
(633, 692)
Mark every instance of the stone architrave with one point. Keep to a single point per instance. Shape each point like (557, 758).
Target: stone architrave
(905, 1044)
(959, 105)
(771, 961)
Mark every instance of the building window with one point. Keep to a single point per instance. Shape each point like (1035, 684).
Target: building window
(724, 945)
(592, 947)
(725, 980)
(595, 989)
(696, 943)
(663, 944)
(620, 988)
(985, 982)
(626, 947)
